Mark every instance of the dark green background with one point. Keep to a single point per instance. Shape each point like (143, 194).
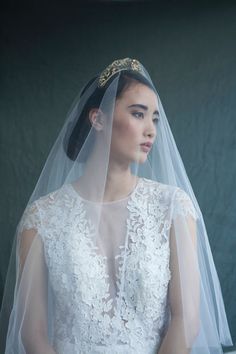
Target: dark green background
(189, 49)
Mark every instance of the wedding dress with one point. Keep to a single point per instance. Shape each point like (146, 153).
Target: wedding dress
(89, 276)
(86, 281)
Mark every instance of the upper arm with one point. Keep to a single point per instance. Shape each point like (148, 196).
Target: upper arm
(184, 287)
(26, 240)
(32, 282)
(183, 262)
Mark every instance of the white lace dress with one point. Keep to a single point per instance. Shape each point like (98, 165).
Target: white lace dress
(109, 296)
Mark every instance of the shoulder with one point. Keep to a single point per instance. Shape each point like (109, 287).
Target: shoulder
(63, 197)
(158, 188)
(174, 191)
(183, 204)
(176, 198)
(153, 194)
(47, 206)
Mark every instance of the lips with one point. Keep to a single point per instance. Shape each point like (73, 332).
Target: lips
(147, 144)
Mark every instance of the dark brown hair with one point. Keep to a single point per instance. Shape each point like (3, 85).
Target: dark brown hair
(82, 127)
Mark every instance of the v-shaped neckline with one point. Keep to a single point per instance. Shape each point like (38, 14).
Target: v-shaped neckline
(121, 257)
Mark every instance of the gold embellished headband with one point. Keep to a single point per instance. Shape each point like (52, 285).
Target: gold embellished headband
(116, 66)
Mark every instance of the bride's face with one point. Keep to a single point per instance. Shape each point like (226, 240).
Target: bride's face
(136, 114)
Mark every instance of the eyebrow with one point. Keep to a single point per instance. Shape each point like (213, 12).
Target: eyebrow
(142, 106)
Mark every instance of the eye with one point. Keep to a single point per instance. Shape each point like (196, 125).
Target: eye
(138, 115)
(156, 119)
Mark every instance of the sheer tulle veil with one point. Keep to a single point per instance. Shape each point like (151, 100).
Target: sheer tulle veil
(84, 148)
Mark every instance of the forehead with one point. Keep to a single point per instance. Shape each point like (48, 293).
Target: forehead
(139, 93)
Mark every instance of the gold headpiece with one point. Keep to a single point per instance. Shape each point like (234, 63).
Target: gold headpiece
(116, 66)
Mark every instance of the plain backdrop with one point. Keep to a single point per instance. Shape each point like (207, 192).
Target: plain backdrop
(50, 49)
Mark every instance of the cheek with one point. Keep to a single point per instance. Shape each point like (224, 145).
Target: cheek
(126, 130)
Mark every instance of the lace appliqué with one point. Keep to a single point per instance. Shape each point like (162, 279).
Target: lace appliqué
(80, 282)
(30, 219)
(147, 274)
(183, 205)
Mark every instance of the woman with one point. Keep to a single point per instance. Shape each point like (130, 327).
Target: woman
(112, 251)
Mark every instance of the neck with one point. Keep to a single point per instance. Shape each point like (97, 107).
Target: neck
(119, 182)
(105, 183)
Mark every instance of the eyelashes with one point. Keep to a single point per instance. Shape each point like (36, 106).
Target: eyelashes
(156, 120)
(140, 115)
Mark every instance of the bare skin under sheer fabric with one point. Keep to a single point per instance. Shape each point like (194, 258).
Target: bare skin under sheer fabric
(131, 276)
(103, 301)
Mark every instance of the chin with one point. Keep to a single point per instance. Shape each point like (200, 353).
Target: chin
(140, 159)
(143, 160)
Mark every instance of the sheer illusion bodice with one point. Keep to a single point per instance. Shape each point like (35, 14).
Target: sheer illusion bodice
(110, 288)
(125, 277)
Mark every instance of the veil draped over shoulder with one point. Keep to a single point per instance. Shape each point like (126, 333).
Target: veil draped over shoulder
(153, 238)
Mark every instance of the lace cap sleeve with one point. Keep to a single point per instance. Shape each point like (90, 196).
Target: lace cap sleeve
(30, 218)
(183, 205)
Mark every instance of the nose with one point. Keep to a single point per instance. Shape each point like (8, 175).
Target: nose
(150, 129)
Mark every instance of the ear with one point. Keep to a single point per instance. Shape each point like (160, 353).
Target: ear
(96, 118)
